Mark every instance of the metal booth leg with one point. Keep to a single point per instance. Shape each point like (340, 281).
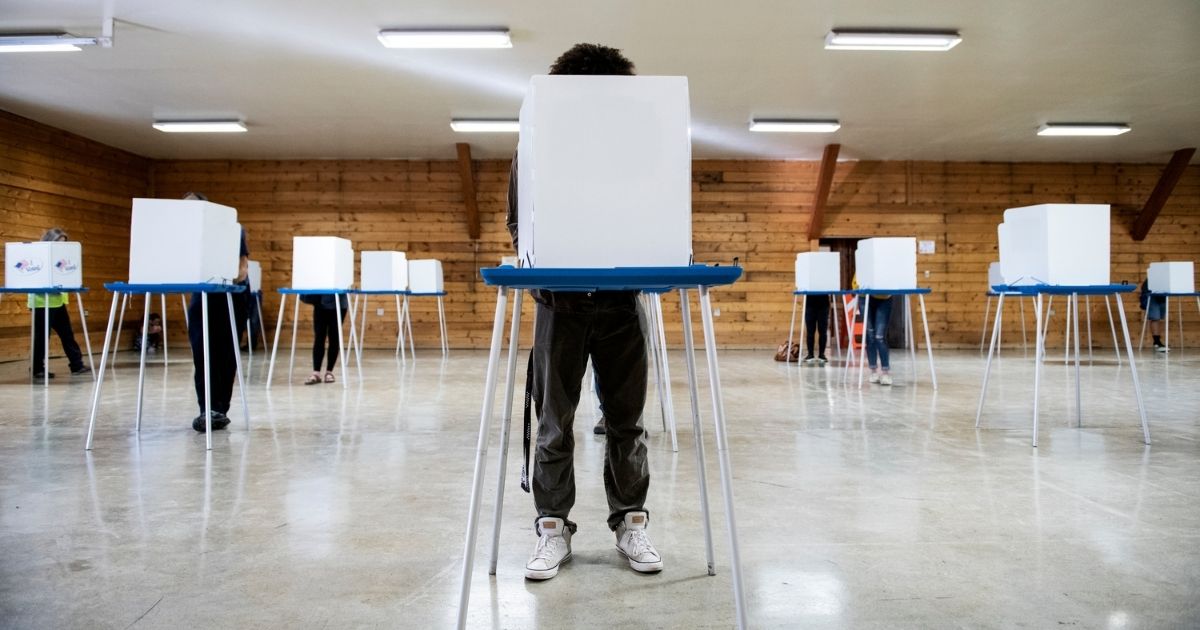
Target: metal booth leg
(862, 364)
(1137, 386)
(142, 362)
(666, 370)
(337, 305)
(207, 373)
(514, 343)
(275, 345)
(120, 321)
(87, 340)
(1113, 328)
(714, 381)
(928, 345)
(112, 313)
(689, 353)
(987, 367)
(1039, 347)
(792, 325)
(237, 361)
(1078, 391)
(485, 427)
(986, 311)
(162, 297)
(295, 325)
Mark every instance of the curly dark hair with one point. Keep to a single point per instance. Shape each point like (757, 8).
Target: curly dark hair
(592, 59)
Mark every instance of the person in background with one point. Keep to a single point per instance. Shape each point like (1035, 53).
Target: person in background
(60, 323)
(221, 349)
(325, 327)
(879, 314)
(571, 327)
(153, 335)
(1155, 307)
(816, 320)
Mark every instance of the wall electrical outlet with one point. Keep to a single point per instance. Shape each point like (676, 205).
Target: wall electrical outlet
(379, 312)
(926, 273)
(717, 312)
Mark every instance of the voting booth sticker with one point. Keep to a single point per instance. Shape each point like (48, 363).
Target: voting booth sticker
(28, 267)
(66, 265)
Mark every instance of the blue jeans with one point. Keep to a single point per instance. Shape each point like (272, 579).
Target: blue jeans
(879, 312)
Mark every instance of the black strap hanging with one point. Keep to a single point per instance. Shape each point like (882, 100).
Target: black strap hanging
(528, 422)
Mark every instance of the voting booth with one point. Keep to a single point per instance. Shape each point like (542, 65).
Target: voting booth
(254, 275)
(604, 172)
(322, 262)
(43, 264)
(179, 241)
(425, 276)
(818, 271)
(1172, 277)
(383, 271)
(886, 263)
(995, 276)
(1055, 243)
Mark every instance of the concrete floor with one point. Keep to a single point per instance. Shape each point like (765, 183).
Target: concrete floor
(872, 508)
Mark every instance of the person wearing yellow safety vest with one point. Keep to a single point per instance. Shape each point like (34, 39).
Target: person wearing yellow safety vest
(60, 322)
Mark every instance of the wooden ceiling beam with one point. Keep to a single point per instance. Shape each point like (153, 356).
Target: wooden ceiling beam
(824, 183)
(466, 173)
(1162, 192)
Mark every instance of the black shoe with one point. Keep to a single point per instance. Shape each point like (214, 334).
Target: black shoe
(600, 428)
(219, 422)
(41, 376)
(83, 369)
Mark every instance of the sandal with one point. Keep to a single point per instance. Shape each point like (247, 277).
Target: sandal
(312, 379)
(329, 377)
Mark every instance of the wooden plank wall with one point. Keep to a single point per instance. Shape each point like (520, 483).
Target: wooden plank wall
(53, 178)
(755, 211)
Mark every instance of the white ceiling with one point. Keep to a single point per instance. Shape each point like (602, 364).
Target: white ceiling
(312, 81)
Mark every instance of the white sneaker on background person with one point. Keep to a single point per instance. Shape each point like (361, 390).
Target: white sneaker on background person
(635, 545)
(552, 550)
(874, 377)
(885, 379)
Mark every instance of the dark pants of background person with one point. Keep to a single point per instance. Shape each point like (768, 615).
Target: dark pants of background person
(253, 328)
(325, 327)
(607, 327)
(816, 320)
(879, 313)
(220, 347)
(60, 323)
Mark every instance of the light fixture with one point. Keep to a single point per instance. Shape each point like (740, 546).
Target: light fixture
(863, 39)
(1083, 129)
(476, 125)
(200, 126)
(44, 42)
(446, 38)
(794, 126)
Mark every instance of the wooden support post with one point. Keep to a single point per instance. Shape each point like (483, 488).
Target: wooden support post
(1162, 191)
(466, 172)
(824, 183)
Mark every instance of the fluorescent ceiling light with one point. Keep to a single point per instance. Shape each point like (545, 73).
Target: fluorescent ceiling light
(446, 38)
(44, 42)
(795, 126)
(200, 126)
(855, 39)
(485, 126)
(1083, 129)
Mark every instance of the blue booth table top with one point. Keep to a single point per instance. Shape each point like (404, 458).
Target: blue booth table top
(917, 291)
(611, 279)
(1057, 289)
(42, 290)
(286, 291)
(838, 292)
(425, 294)
(1196, 294)
(200, 287)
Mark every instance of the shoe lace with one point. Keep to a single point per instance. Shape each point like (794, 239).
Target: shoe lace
(639, 543)
(548, 547)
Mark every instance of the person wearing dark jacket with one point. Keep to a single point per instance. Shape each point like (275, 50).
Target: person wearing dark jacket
(325, 328)
(221, 340)
(570, 328)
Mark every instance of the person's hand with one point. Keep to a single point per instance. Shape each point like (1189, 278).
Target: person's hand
(243, 270)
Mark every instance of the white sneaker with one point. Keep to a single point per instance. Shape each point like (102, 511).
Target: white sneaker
(873, 378)
(885, 379)
(552, 550)
(634, 544)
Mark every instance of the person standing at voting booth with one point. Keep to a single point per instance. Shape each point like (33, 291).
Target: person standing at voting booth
(60, 323)
(816, 323)
(879, 315)
(325, 327)
(223, 363)
(1156, 308)
(570, 328)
